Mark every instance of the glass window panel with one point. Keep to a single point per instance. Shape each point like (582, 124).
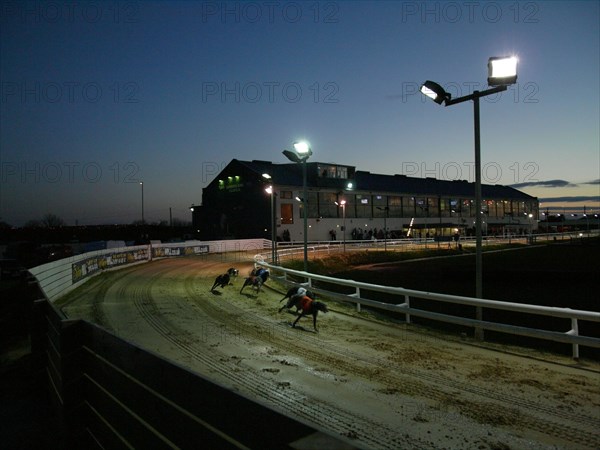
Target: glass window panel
(395, 206)
(455, 207)
(433, 207)
(313, 205)
(379, 205)
(445, 207)
(466, 207)
(350, 205)
(327, 206)
(420, 207)
(363, 206)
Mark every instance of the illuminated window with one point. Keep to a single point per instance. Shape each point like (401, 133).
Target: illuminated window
(466, 207)
(454, 207)
(332, 171)
(421, 207)
(287, 213)
(363, 206)
(379, 201)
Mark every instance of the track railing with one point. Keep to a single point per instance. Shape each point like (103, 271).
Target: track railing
(571, 336)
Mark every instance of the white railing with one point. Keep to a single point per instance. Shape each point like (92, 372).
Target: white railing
(294, 248)
(291, 251)
(57, 278)
(571, 336)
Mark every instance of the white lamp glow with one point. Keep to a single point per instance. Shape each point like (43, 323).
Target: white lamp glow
(428, 92)
(502, 71)
(302, 147)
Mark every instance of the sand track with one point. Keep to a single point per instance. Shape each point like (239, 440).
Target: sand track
(375, 385)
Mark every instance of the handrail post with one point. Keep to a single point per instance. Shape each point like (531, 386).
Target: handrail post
(407, 301)
(575, 332)
(358, 295)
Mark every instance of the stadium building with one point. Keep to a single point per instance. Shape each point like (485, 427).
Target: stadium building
(236, 205)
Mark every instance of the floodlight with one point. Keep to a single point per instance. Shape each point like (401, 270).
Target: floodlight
(302, 148)
(435, 92)
(292, 156)
(269, 189)
(502, 71)
(266, 176)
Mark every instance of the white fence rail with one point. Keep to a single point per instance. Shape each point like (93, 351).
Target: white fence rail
(570, 336)
(57, 278)
(314, 247)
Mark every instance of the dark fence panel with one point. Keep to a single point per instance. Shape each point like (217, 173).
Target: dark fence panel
(110, 393)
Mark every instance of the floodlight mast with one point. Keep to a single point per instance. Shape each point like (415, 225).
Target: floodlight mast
(501, 73)
(270, 189)
(300, 155)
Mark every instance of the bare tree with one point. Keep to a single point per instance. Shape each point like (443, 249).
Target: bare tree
(52, 221)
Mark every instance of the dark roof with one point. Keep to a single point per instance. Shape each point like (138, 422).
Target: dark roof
(366, 181)
(291, 175)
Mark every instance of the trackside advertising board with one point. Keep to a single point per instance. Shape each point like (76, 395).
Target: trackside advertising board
(161, 252)
(89, 266)
(93, 264)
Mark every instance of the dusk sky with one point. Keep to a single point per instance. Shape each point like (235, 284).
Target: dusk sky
(98, 96)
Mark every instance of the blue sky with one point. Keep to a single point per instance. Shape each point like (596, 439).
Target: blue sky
(98, 96)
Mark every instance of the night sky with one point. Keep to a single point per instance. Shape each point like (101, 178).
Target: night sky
(98, 96)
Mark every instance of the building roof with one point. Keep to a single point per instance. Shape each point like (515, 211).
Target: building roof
(290, 174)
(456, 188)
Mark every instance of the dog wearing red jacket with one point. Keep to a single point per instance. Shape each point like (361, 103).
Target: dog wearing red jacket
(308, 306)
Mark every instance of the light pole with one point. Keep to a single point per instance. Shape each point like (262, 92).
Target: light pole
(501, 73)
(387, 212)
(301, 153)
(142, 184)
(342, 203)
(271, 191)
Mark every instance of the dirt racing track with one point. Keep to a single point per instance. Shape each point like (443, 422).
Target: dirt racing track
(375, 384)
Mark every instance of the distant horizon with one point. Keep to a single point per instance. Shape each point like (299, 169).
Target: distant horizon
(450, 171)
(563, 205)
